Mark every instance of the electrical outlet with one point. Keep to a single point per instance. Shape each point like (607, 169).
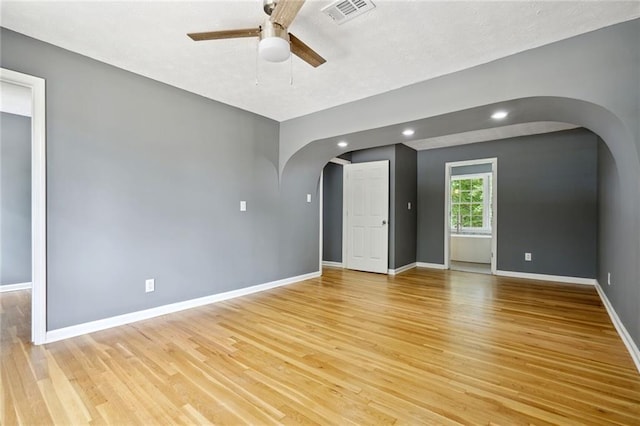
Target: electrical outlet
(149, 285)
(608, 278)
(409, 205)
(527, 257)
(243, 206)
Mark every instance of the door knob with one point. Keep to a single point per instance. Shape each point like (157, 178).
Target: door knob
(384, 222)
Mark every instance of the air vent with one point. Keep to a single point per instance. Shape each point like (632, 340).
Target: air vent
(342, 11)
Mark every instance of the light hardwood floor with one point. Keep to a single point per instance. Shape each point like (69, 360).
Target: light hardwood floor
(424, 347)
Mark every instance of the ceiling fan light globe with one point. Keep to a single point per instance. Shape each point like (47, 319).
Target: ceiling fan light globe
(274, 49)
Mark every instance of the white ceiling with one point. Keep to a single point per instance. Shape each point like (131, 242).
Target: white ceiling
(491, 134)
(396, 44)
(15, 99)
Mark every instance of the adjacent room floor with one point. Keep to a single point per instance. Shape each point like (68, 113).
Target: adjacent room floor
(476, 268)
(426, 346)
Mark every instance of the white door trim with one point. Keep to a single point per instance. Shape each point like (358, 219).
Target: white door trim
(344, 216)
(341, 162)
(494, 206)
(321, 224)
(38, 200)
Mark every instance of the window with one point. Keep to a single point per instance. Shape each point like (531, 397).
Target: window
(471, 203)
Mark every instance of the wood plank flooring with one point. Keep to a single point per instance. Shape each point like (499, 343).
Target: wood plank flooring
(424, 347)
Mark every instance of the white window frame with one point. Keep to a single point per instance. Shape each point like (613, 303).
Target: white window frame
(486, 201)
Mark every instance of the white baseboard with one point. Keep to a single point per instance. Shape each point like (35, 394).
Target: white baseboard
(402, 269)
(620, 328)
(430, 265)
(14, 287)
(102, 324)
(544, 277)
(332, 264)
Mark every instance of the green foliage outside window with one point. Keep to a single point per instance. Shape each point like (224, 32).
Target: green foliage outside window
(467, 203)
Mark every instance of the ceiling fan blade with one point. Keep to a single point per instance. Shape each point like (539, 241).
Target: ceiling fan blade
(217, 35)
(285, 12)
(304, 52)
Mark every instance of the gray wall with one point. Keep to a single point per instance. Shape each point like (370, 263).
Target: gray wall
(406, 191)
(611, 256)
(571, 81)
(547, 201)
(470, 170)
(144, 181)
(332, 213)
(15, 199)
(402, 190)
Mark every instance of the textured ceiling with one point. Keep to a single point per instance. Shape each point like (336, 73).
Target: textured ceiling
(396, 44)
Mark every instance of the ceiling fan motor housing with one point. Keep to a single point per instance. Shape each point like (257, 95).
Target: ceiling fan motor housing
(274, 43)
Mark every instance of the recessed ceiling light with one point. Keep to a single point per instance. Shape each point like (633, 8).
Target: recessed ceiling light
(408, 132)
(342, 144)
(499, 115)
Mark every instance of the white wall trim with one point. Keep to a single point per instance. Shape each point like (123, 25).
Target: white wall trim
(14, 287)
(544, 277)
(345, 200)
(402, 269)
(620, 328)
(102, 324)
(430, 265)
(340, 161)
(332, 264)
(320, 219)
(38, 200)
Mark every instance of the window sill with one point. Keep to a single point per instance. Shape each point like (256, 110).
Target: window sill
(469, 235)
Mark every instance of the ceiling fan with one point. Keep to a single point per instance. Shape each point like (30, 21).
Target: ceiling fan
(276, 43)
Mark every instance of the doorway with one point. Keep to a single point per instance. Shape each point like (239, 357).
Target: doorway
(15, 187)
(366, 216)
(34, 88)
(470, 227)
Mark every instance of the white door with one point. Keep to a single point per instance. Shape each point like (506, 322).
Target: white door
(366, 201)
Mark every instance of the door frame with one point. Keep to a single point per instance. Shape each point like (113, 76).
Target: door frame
(38, 200)
(345, 250)
(494, 207)
(341, 162)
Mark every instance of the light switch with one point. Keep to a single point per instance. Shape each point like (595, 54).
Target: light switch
(409, 205)
(243, 206)
(308, 198)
